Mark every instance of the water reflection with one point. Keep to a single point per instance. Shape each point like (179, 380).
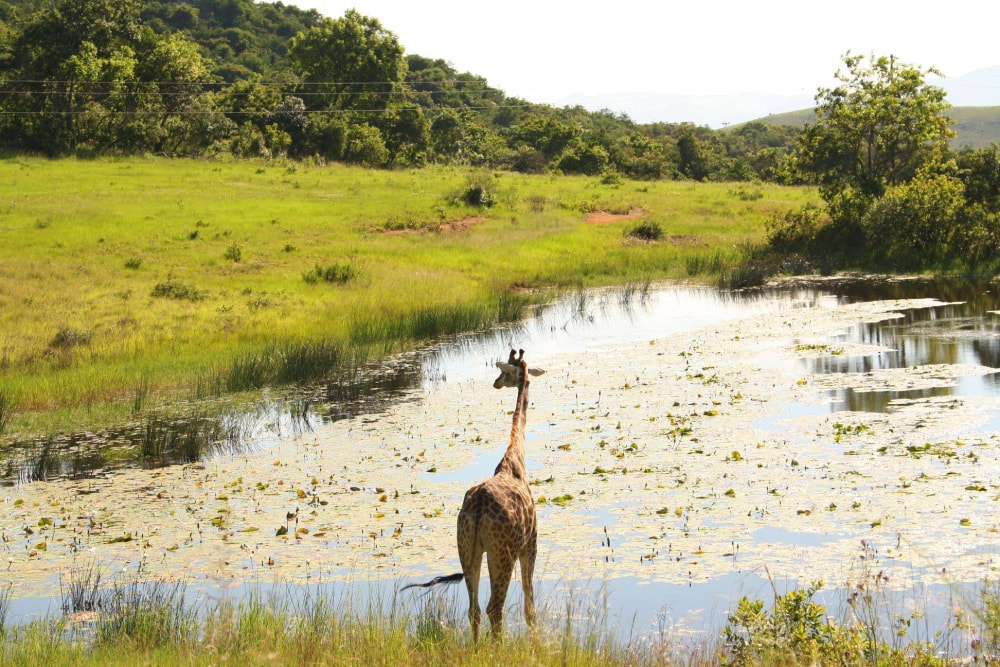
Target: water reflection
(961, 330)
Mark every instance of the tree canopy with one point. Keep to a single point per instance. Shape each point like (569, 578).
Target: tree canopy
(195, 77)
(875, 129)
(349, 63)
(895, 194)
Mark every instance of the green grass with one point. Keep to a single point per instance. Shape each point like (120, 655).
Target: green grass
(147, 280)
(132, 621)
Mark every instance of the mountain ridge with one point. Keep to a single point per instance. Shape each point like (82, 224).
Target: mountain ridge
(980, 88)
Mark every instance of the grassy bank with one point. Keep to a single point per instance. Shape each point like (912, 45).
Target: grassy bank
(133, 622)
(127, 282)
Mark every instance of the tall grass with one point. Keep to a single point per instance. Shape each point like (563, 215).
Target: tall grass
(197, 321)
(186, 438)
(7, 408)
(145, 615)
(6, 594)
(148, 622)
(81, 589)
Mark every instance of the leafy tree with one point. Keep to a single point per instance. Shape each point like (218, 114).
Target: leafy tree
(980, 172)
(874, 130)
(364, 145)
(545, 131)
(447, 134)
(690, 160)
(174, 69)
(352, 61)
(919, 219)
(407, 134)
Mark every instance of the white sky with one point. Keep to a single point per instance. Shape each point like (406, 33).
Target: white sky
(545, 50)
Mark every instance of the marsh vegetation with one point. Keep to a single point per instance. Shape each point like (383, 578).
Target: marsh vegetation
(708, 444)
(159, 314)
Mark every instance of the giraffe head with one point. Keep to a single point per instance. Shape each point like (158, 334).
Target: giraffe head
(513, 370)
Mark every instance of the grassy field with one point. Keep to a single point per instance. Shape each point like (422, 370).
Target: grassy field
(124, 283)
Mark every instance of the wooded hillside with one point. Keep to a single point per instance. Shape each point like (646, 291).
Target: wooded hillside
(268, 79)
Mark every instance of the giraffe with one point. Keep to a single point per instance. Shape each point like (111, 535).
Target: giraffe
(498, 518)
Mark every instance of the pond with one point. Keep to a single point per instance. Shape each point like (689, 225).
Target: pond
(686, 447)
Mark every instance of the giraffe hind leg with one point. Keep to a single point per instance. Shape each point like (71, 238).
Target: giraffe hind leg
(501, 568)
(527, 574)
(471, 567)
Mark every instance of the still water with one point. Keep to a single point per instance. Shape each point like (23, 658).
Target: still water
(961, 329)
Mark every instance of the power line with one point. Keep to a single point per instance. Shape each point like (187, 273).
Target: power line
(261, 83)
(198, 112)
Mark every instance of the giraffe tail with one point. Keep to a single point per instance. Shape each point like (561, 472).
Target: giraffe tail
(445, 579)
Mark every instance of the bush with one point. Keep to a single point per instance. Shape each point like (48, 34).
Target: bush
(68, 337)
(795, 230)
(480, 190)
(337, 274)
(178, 291)
(645, 230)
(364, 145)
(234, 253)
(918, 218)
(795, 627)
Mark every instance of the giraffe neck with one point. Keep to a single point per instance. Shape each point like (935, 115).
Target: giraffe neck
(513, 462)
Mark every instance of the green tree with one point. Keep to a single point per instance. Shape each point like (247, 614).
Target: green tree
(364, 145)
(872, 131)
(980, 171)
(690, 161)
(71, 76)
(920, 219)
(349, 63)
(407, 134)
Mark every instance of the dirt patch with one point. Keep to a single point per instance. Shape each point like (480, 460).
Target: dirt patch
(459, 226)
(604, 217)
(684, 240)
(451, 227)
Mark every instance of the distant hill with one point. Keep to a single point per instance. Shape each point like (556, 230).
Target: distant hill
(709, 110)
(980, 88)
(974, 127)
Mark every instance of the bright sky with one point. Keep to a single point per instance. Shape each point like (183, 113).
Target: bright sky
(544, 50)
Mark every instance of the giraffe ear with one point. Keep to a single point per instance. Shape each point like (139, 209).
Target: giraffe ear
(506, 368)
(536, 371)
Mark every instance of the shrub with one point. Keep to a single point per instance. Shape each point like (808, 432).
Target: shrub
(795, 627)
(133, 263)
(645, 230)
(746, 195)
(795, 230)
(919, 218)
(69, 337)
(338, 274)
(480, 190)
(611, 177)
(178, 291)
(234, 253)
(364, 145)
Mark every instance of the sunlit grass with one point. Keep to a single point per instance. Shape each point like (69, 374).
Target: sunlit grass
(139, 621)
(153, 273)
